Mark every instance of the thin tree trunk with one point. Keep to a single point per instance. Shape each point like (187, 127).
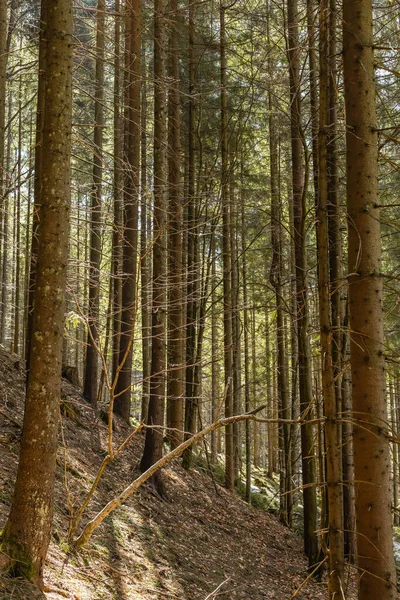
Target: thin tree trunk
(133, 66)
(175, 315)
(333, 448)
(3, 104)
(145, 235)
(214, 350)
(117, 193)
(299, 215)
(4, 275)
(37, 181)
(90, 388)
(227, 262)
(276, 273)
(191, 252)
(17, 239)
(247, 402)
(154, 434)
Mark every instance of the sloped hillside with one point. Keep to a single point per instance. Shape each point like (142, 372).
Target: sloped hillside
(201, 543)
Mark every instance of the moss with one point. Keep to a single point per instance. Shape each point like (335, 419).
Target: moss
(21, 565)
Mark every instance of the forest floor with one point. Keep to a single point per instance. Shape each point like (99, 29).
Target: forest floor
(202, 542)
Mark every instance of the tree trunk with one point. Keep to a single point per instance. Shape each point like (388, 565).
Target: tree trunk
(117, 193)
(175, 314)
(333, 448)
(227, 262)
(90, 388)
(27, 532)
(299, 214)
(145, 239)
(154, 434)
(37, 182)
(371, 446)
(191, 252)
(3, 103)
(132, 141)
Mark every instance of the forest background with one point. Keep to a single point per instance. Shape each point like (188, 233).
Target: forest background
(197, 217)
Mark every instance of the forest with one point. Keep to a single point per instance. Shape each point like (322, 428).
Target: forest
(199, 294)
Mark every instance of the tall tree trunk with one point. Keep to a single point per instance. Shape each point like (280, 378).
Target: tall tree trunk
(132, 140)
(214, 349)
(3, 103)
(27, 532)
(117, 193)
(247, 404)
(371, 445)
(90, 388)
(4, 258)
(276, 273)
(17, 239)
(145, 236)
(175, 314)
(154, 434)
(191, 251)
(333, 448)
(299, 215)
(227, 261)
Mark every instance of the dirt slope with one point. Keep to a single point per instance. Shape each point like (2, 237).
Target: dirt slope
(202, 540)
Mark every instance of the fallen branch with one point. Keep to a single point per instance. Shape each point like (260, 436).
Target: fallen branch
(135, 485)
(107, 460)
(215, 592)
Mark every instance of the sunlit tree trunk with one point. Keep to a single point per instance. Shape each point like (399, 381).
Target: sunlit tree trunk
(26, 535)
(371, 446)
(37, 182)
(191, 251)
(145, 239)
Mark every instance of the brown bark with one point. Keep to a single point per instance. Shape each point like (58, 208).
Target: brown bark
(276, 274)
(117, 192)
(227, 261)
(90, 388)
(37, 181)
(175, 314)
(191, 252)
(371, 446)
(299, 213)
(145, 238)
(27, 532)
(333, 448)
(246, 324)
(154, 435)
(132, 141)
(3, 103)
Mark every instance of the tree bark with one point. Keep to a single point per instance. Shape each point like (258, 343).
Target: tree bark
(299, 214)
(191, 252)
(27, 532)
(154, 434)
(175, 314)
(333, 448)
(371, 445)
(227, 261)
(132, 141)
(90, 388)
